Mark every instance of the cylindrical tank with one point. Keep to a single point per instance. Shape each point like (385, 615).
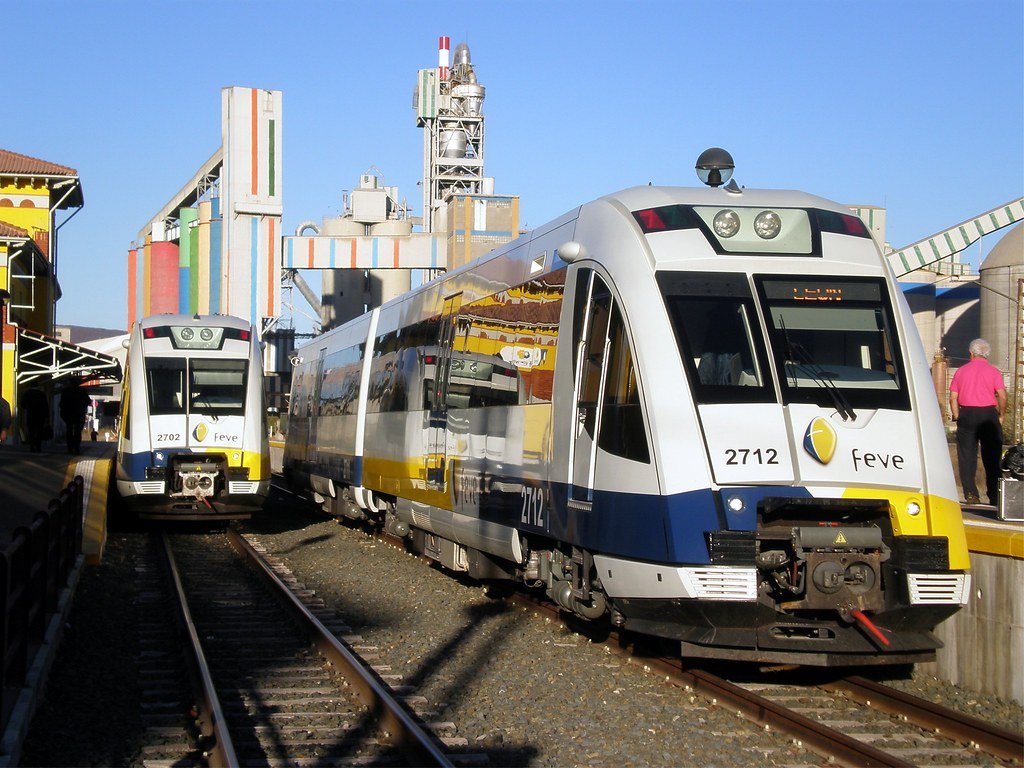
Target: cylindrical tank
(471, 98)
(163, 293)
(453, 143)
(339, 226)
(392, 227)
(203, 234)
(999, 314)
(919, 290)
(461, 55)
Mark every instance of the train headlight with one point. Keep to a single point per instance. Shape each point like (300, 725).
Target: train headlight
(767, 225)
(726, 223)
(187, 334)
(913, 508)
(206, 334)
(735, 504)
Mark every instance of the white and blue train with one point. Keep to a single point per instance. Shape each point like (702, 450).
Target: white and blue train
(192, 440)
(704, 413)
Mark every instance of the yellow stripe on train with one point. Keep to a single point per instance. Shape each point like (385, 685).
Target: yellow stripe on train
(938, 517)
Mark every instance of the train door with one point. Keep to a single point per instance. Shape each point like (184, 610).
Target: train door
(437, 427)
(609, 418)
(591, 344)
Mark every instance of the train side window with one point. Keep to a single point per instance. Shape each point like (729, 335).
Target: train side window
(592, 360)
(623, 431)
(165, 385)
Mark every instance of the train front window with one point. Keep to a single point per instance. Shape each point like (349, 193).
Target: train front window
(217, 387)
(834, 335)
(717, 333)
(165, 385)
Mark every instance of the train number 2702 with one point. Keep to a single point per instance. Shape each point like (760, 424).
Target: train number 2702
(165, 437)
(737, 456)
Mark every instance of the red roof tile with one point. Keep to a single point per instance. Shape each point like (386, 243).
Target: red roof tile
(9, 230)
(12, 162)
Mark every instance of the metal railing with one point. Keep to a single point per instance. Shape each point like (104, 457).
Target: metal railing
(34, 567)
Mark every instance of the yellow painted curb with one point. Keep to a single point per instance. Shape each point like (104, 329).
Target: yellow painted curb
(94, 527)
(990, 540)
(96, 477)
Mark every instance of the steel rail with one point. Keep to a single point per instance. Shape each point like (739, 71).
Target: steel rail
(211, 716)
(400, 728)
(836, 746)
(997, 741)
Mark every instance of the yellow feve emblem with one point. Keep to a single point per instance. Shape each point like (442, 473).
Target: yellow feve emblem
(820, 440)
(199, 433)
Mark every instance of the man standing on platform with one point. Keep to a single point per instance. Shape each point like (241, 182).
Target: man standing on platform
(74, 402)
(977, 402)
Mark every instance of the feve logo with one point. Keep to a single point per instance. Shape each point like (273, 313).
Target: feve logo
(200, 432)
(820, 440)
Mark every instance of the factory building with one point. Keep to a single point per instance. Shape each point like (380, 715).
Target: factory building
(368, 252)
(214, 246)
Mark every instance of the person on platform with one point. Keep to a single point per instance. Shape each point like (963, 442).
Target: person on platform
(74, 402)
(36, 408)
(977, 403)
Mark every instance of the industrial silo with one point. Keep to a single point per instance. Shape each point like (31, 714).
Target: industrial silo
(343, 290)
(387, 284)
(1000, 274)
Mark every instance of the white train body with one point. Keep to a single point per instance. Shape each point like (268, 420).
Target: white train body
(732, 441)
(193, 441)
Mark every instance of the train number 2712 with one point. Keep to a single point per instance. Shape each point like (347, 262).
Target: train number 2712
(737, 456)
(533, 506)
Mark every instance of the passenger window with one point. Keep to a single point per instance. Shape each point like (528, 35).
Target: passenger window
(607, 361)
(622, 420)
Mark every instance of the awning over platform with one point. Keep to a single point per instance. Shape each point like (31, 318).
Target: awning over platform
(44, 356)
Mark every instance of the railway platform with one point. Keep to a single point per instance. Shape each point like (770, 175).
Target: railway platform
(28, 481)
(984, 643)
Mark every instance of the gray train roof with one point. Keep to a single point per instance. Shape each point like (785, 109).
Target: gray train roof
(178, 319)
(637, 198)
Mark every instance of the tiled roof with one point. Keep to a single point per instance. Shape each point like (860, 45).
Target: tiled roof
(9, 230)
(12, 162)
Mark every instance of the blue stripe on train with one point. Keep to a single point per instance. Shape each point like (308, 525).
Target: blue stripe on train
(669, 529)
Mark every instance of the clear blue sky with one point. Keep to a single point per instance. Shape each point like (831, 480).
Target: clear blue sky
(914, 106)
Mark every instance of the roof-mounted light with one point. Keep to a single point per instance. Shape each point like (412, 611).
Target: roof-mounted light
(715, 166)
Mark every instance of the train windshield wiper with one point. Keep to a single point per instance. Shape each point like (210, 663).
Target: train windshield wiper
(805, 364)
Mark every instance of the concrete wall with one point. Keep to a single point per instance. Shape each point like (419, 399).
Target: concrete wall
(984, 642)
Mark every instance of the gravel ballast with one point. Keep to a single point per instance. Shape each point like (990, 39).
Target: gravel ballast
(519, 688)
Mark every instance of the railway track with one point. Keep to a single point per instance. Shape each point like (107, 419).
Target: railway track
(273, 683)
(849, 721)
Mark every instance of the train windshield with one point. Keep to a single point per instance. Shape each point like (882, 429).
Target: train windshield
(210, 386)
(834, 338)
(217, 387)
(718, 336)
